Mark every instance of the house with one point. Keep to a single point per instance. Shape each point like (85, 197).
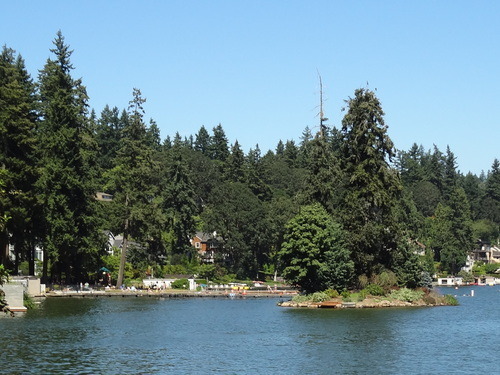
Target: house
(450, 281)
(103, 197)
(208, 246)
(116, 242)
(486, 253)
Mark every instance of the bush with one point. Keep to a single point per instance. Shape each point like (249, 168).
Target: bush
(29, 303)
(332, 293)
(450, 300)
(180, 284)
(358, 297)
(301, 298)
(491, 268)
(407, 295)
(363, 281)
(374, 290)
(467, 277)
(320, 297)
(386, 279)
(429, 300)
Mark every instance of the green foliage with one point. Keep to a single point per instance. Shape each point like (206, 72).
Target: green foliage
(451, 230)
(302, 298)
(112, 263)
(386, 279)
(345, 294)
(491, 268)
(71, 237)
(372, 188)
(332, 293)
(29, 302)
(55, 156)
(450, 300)
(374, 290)
(320, 297)
(467, 277)
(407, 295)
(4, 275)
(180, 284)
(313, 255)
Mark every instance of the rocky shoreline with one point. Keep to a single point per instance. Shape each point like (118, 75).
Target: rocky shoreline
(366, 303)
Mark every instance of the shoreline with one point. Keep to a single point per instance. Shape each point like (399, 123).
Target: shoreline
(168, 294)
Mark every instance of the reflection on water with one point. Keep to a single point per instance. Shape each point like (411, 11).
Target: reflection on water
(253, 336)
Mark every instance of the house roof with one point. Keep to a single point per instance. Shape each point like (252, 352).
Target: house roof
(204, 237)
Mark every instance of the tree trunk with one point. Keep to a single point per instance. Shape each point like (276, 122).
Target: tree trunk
(123, 258)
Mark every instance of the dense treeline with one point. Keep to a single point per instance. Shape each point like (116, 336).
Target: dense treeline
(340, 206)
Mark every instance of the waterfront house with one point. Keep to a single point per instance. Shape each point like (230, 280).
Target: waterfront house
(208, 246)
(486, 253)
(450, 281)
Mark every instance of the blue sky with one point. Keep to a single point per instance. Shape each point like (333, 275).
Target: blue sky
(253, 65)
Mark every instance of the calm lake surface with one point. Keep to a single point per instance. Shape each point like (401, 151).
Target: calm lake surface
(251, 336)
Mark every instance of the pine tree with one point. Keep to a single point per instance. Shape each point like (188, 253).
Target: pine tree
(17, 159)
(323, 181)
(134, 181)
(235, 165)
(109, 133)
(72, 240)
(451, 232)
(180, 203)
(491, 200)
(372, 187)
(218, 144)
(202, 141)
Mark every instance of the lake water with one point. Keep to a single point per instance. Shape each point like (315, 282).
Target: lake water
(251, 336)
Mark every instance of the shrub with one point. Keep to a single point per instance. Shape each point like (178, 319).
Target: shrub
(29, 303)
(429, 300)
(450, 300)
(491, 268)
(363, 281)
(358, 297)
(332, 293)
(180, 284)
(467, 277)
(301, 298)
(407, 295)
(346, 295)
(374, 290)
(320, 297)
(386, 279)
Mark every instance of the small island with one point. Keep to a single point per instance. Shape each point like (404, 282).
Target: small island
(403, 297)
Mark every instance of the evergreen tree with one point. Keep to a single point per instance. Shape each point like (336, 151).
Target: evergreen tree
(218, 144)
(255, 175)
(180, 203)
(109, 133)
(238, 217)
(202, 141)
(235, 165)
(491, 201)
(452, 232)
(153, 139)
(323, 175)
(291, 154)
(450, 179)
(134, 181)
(72, 240)
(280, 149)
(17, 159)
(372, 187)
